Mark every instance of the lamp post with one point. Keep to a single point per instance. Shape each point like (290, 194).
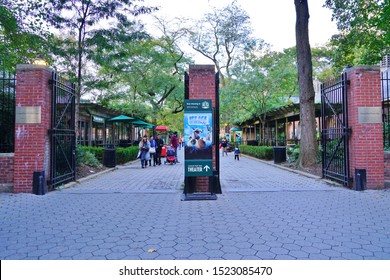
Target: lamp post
(40, 61)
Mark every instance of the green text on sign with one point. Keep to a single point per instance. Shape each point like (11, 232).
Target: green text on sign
(195, 168)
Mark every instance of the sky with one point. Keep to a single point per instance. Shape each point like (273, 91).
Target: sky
(272, 20)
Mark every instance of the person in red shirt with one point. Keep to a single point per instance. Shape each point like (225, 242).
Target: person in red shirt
(174, 144)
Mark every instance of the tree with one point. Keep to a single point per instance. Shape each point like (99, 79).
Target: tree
(22, 32)
(309, 147)
(141, 73)
(259, 84)
(364, 36)
(83, 19)
(223, 35)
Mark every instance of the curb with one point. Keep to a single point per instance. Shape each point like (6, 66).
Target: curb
(329, 182)
(84, 179)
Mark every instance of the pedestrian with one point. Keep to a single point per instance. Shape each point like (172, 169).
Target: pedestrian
(143, 153)
(152, 151)
(174, 144)
(224, 144)
(159, 146)
(180, 142)
(237, 153)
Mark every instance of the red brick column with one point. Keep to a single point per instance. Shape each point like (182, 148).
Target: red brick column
(33, 111)
(202, 86)
(365, 119)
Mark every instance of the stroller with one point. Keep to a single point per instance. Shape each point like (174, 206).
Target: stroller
(170, 158)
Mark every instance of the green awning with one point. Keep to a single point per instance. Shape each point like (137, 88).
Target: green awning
(140, 123)
(236, 129)
(97, 119)
(121, 118)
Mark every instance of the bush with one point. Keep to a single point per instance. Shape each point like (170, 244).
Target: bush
(84, 156)
(293, 153)
(123, 155)
(262, 152)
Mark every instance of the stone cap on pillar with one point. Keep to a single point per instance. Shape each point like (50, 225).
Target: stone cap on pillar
(33, 67)
(202, 67)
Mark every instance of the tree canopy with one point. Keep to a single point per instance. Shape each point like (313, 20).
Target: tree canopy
(223, 35)
(364, 26)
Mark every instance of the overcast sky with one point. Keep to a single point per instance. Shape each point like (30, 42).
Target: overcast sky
(272, 20)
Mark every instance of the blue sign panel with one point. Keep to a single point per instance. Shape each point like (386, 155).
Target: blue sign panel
(198, 135)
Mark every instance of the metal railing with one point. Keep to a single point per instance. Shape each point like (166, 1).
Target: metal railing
(385, 82)
(7, 111)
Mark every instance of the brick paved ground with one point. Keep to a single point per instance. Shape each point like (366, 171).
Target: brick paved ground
(131, 213)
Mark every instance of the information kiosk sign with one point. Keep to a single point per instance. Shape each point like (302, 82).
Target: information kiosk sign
(198, 137)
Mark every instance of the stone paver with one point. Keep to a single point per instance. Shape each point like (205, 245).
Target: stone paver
(131, 213)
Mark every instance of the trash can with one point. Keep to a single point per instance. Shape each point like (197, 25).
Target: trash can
(279, 154)
(39, 186)
(109, 157)
(360, 179)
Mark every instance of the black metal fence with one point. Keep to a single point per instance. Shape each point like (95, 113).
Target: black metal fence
(7, 112)
(335, 131)
(62, 132)
(385, 82)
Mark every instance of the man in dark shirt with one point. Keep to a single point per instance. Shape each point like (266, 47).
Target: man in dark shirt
(159, 146)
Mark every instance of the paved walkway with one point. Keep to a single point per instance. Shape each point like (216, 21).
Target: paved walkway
(131, 213)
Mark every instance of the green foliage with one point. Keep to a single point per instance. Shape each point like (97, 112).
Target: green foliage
(143, 75)
(335, 149)
(21, 32)
(386, 136)
(124, 155)
(262, 152)
(96, 151)
(364, 31)
(262, 82)
(293, 153)
(85, 156)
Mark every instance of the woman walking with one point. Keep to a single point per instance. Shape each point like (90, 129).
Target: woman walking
(152, 151)
(144, 154)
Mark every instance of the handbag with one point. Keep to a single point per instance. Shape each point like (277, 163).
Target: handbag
(152, 150)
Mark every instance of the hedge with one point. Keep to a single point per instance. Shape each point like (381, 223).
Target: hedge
(261, 152)
(123, 155)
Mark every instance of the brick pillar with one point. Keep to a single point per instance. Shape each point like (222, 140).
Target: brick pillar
(32, 121)
(202, 86)
(365, 119)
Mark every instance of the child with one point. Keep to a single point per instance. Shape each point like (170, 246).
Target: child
(236, 153)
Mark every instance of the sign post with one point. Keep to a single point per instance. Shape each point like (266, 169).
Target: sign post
(198, 140)
(198, 137)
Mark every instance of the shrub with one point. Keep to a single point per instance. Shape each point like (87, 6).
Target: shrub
(83, 156)
(262, 152)
(293, 153)
(96, 151)
(123, 155)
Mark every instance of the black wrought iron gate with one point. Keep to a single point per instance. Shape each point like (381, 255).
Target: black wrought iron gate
(62, 132)
(335, 130)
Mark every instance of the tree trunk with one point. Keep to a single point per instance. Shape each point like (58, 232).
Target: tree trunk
(308, 147)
